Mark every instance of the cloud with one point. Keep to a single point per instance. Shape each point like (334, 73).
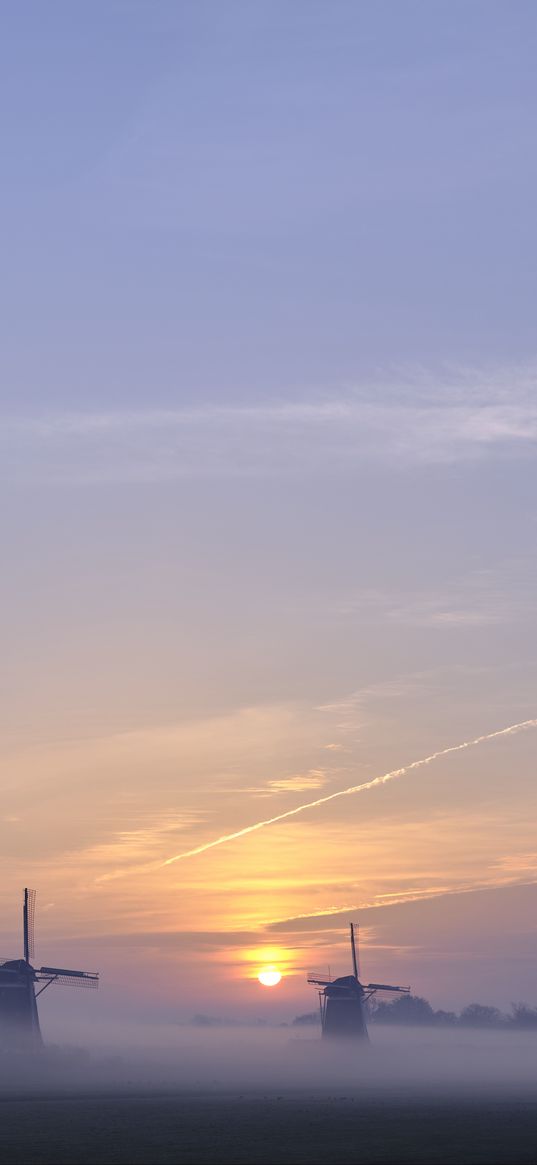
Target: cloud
(518, 863)
(171, 940)
(481, 599)
(314, 779)
(135, 844)
(333, 917)
(422, 418)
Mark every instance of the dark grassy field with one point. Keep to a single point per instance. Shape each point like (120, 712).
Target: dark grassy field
(269, 1129)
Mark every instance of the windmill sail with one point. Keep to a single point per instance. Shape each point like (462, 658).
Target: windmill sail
(78, 978)
(354, 949)
(386, 987)
(28, 921)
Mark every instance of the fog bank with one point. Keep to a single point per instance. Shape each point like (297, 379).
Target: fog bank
(419, 1062)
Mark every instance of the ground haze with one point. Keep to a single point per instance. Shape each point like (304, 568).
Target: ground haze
(267, 1096)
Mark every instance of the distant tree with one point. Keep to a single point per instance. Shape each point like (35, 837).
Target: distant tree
(207, 1021)
(408, 1009)
(214, 1021)
(380, 1012)
(522, 1016)
(310, 1017)
(445, 1018)
(479, 1015)
(413, 1010)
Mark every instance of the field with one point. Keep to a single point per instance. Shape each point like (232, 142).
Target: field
(268, 1129)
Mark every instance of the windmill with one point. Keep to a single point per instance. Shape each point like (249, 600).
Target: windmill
(342, 1001)
(19, 1019)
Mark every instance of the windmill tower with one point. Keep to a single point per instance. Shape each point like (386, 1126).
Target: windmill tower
(19, 1019)
(342, 1001)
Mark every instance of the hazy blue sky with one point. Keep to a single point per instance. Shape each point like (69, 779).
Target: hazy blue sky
(268, 371)
(207, 201)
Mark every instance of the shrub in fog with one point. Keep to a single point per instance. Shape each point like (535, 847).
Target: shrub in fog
(409, 1009)
(522, 1016)
(445, 1018)
(479, 1015)
(310, 1018)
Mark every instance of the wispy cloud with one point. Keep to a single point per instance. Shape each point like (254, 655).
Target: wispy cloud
(481, 599)
(518, 863)
(130, 845)
(314, 779)
(424, 418)
(333, 917)
(295, 783)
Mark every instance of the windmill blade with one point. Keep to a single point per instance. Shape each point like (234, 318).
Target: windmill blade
(28, 923)
(386, 987)
(354, 950)
(72, 978)
(76, 981)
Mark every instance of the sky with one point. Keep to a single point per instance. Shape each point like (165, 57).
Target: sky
(268, 518)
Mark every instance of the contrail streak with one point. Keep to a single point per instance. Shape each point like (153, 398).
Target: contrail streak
(391, 776)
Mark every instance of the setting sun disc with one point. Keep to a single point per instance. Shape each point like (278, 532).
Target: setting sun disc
(270, 977)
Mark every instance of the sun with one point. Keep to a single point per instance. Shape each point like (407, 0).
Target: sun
(269, 977)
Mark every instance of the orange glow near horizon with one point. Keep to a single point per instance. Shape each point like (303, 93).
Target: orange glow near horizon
(268, 959)
(280, 900)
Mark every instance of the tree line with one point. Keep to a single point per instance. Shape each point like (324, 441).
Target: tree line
(412, 1009)
(415, 1011)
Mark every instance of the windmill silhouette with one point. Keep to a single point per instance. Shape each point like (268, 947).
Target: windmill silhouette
(19, 1019)
(342, 1001)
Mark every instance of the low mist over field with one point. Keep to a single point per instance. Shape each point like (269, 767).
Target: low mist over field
(417, 1062)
